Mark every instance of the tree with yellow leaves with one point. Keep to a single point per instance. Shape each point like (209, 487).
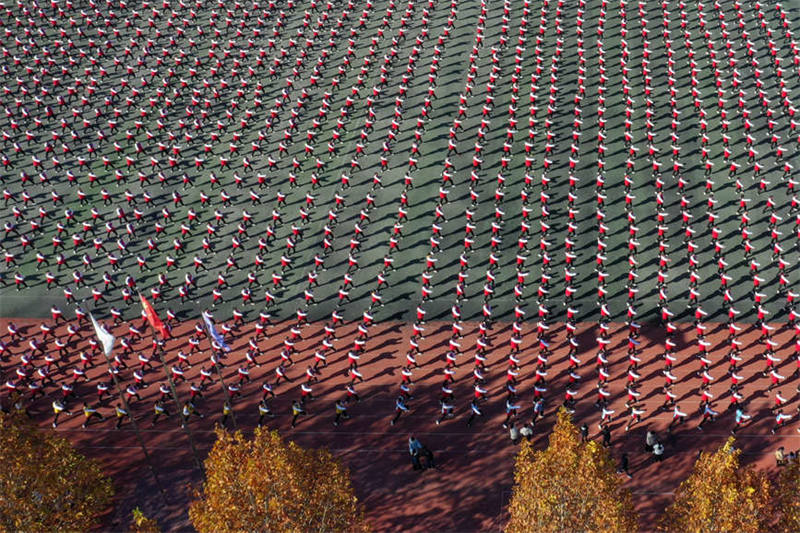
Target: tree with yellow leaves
(570, 486)
(720, 495)
(45, 484)
(266, 483)
(786, 497)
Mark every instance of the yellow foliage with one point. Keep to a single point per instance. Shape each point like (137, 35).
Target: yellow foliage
(786, 496)
(46, 485)
(266, 483)
(719, 495)
(570, 486)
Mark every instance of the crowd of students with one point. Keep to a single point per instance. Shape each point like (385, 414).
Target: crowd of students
(191, 96)
(728, 71)
(208, 216)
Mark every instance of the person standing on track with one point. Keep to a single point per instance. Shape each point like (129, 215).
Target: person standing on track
(708, 414)
(658, 452)
(158, 411)
(511, 411)
(623, 466)
(606, 433)
(90, 412)
(187, 411)
(121, 413)
(476, 411)
(740, 418)
(341, 412)
(400, 408)
(447, 409)
(678, 417)
(264, 410)
(297, 410)
(227, 410)
(58, 408)
(780, 420)
(414, 449)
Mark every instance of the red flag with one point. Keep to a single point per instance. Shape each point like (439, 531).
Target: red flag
(152, 317)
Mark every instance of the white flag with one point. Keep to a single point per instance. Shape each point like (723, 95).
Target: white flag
(214, 334)
(106, 338)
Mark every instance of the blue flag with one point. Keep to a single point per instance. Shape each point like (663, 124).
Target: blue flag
(214, 335)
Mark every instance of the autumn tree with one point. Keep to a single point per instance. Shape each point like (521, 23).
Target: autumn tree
(786, 497)
(570, 486)
(45, 484)
(268, 484)
(720, 495)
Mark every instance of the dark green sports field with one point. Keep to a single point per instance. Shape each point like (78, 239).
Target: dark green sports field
(224, 92)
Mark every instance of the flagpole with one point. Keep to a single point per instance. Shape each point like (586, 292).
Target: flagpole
(126, 406)
(221, 380)
(224, 388)
(184, 425)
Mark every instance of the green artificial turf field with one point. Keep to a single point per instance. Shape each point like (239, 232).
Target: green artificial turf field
(403, 291)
